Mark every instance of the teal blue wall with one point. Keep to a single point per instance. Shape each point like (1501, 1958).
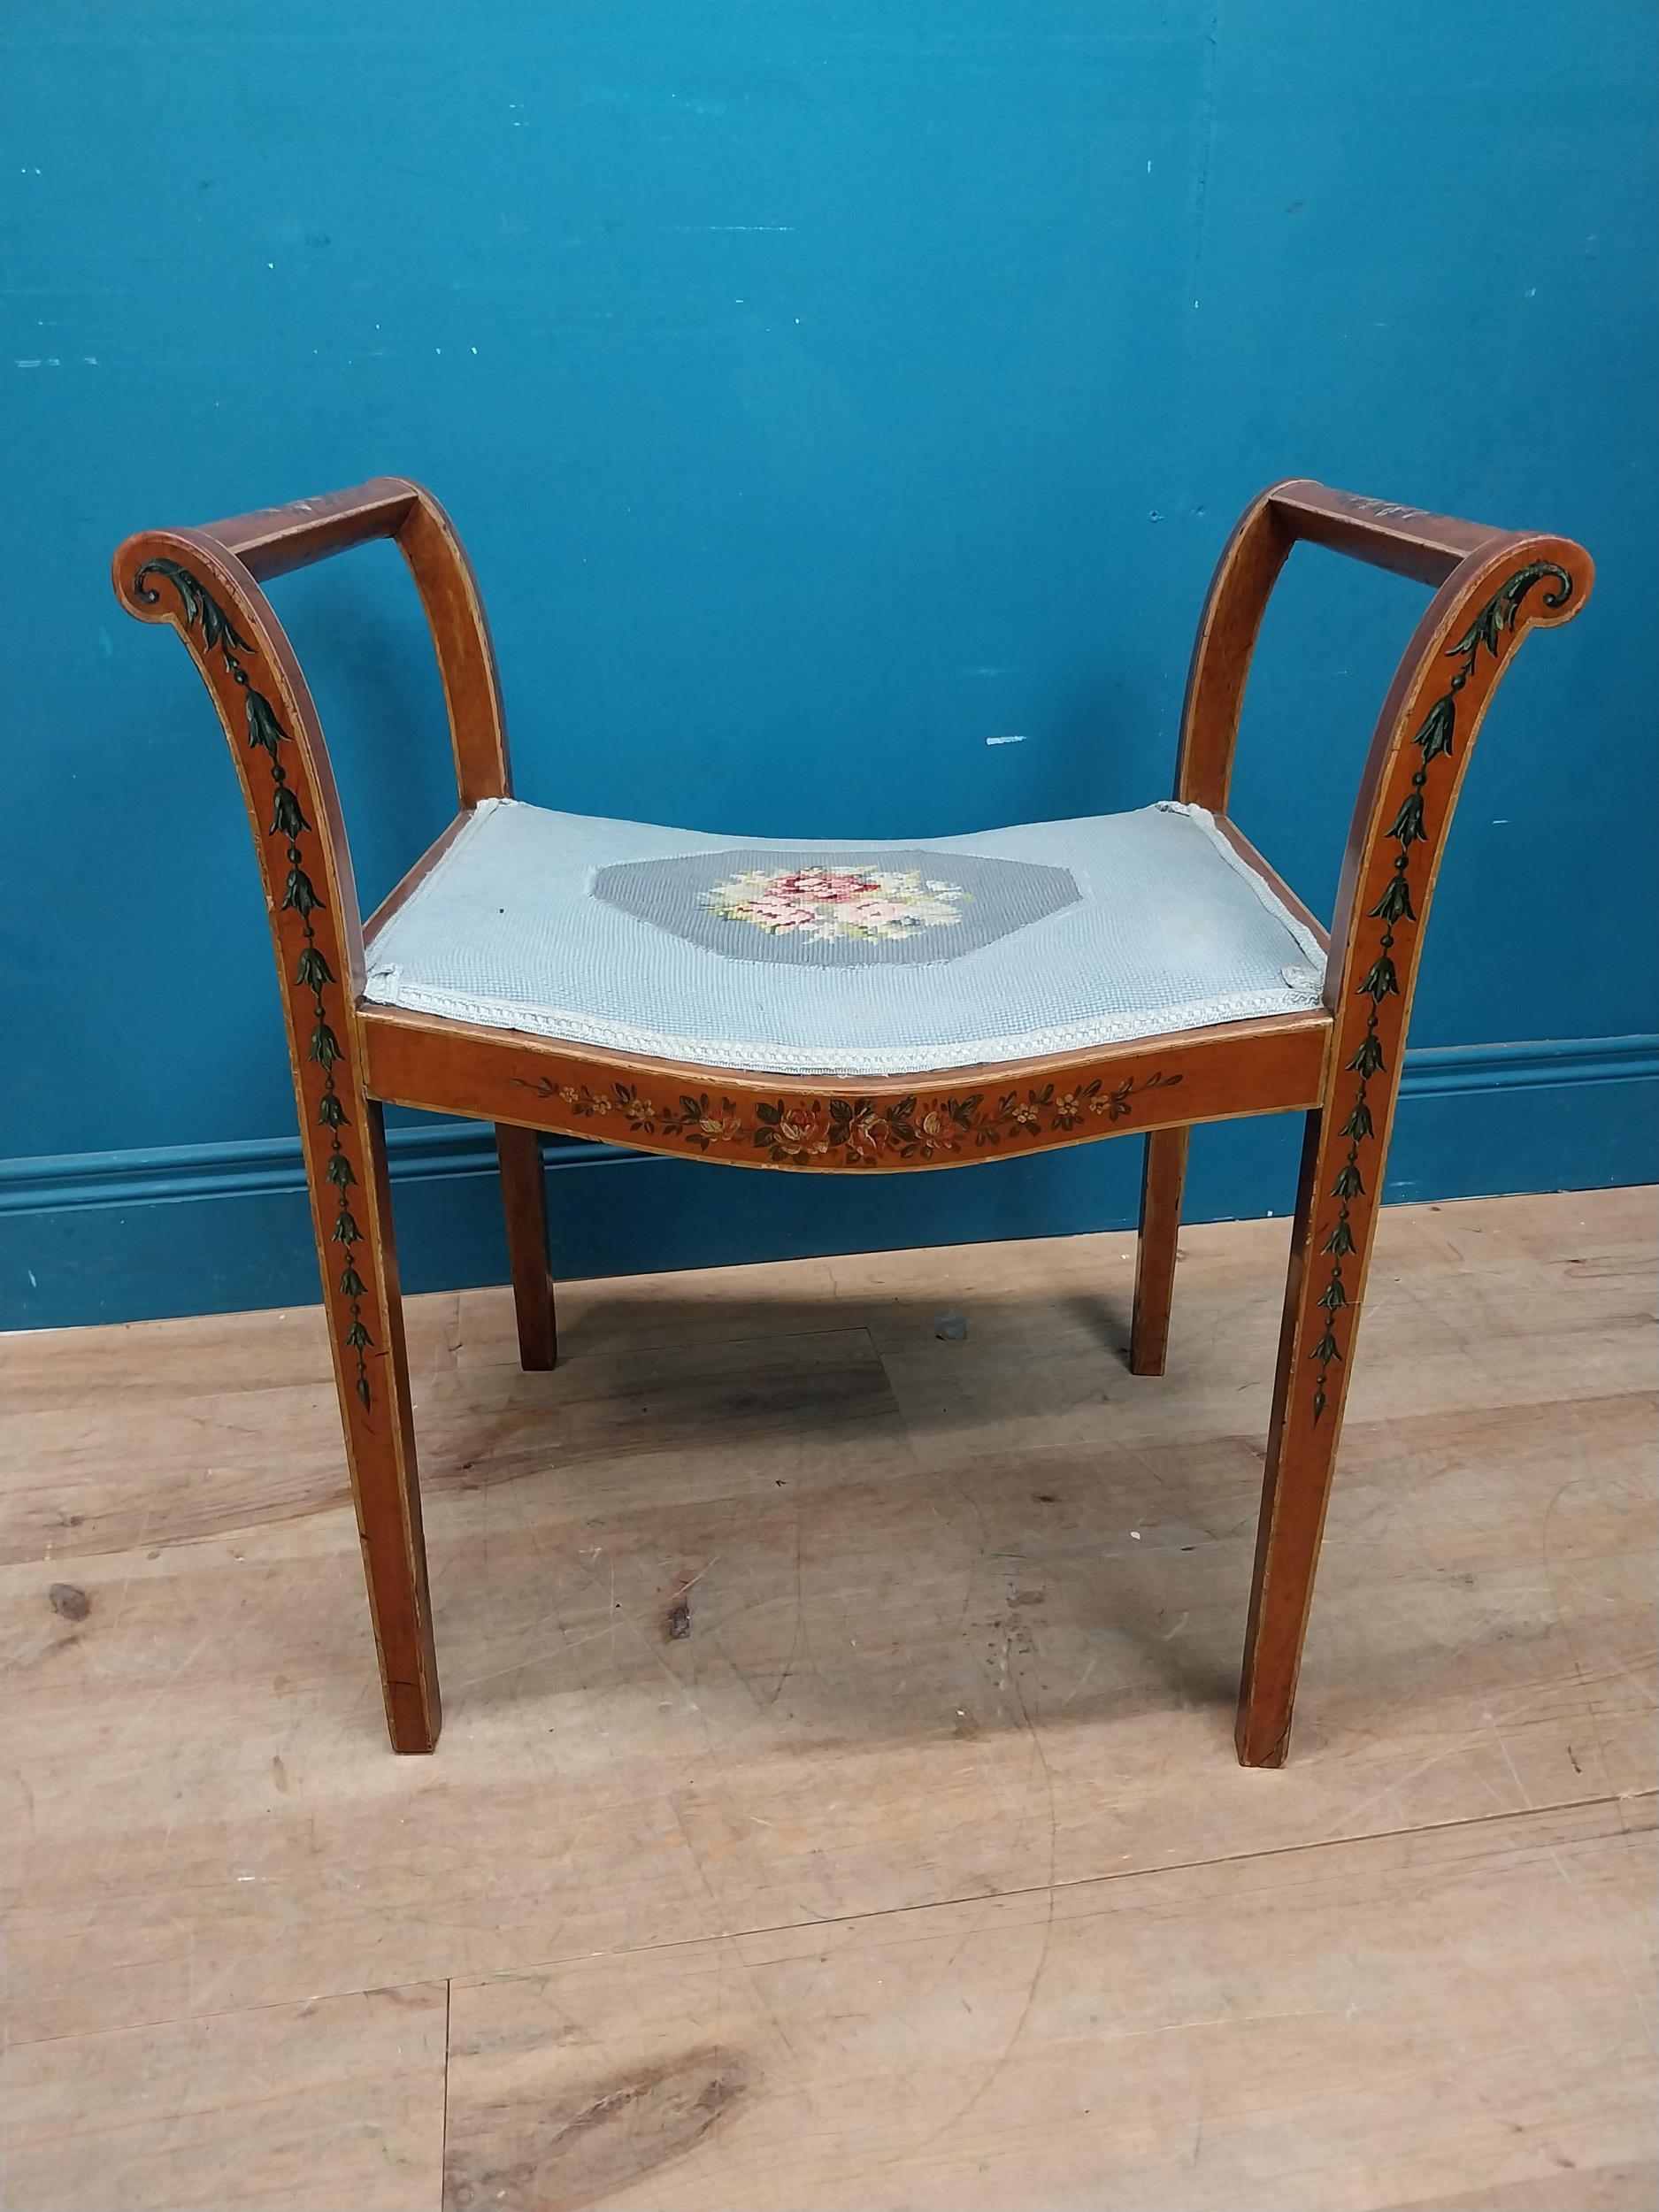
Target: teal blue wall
(825, 387)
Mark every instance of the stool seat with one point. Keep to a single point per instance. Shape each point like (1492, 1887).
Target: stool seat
(873, 958)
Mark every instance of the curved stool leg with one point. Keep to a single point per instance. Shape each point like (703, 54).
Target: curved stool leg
(379, 1422)
(524, 1193)
(1324, 1288)
(1502, 585)
(1161, 1188)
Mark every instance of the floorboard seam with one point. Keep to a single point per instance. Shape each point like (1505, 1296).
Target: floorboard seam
(1527, 1813)
(1611, 1798)
(443, 2130)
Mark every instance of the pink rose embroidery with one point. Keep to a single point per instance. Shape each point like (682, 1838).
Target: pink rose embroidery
(826, 903)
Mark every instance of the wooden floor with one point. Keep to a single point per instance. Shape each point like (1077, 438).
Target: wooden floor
(837, 1805)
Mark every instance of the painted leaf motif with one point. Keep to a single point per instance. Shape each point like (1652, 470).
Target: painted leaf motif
(1435, 736)
(285, 818)
(1368, 1060)
(217, 628)
(190, 595)
(1381, 981)
(262, 726)
(1499, 611)
(1407, 824)
(313, 972)
(1395, 903)
(1485, 629)
(299, 894)
(1523, 581)
(188, 590)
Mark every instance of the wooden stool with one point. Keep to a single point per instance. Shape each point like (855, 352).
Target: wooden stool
(395, 1012)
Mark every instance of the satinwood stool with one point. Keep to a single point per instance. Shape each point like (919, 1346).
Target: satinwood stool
(846, 1008)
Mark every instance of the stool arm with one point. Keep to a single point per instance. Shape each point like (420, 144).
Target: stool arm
(1498, 591)
(188, 579)
(1408, 540)
(193, 581)
(275, 540)
(1502, 585)
(1223, 649)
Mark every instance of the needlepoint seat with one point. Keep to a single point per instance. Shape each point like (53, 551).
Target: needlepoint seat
(882, 958)
(836, 1007)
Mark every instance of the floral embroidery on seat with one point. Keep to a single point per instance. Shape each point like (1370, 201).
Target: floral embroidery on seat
(892, 907)
(821, 905)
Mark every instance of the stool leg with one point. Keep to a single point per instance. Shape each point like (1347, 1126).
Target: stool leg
(524, 1193)
(1329, 1257)
(1161, 1188)
(353, 1214)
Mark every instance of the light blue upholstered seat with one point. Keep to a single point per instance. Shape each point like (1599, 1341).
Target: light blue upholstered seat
(798, 957)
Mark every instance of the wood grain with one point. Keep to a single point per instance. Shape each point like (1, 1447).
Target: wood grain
(1314, 2030)
(524, 1196)
(831, 1798)
(924, 1578)
(1164, 1177)
(300, 2108)
(967, 1116)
